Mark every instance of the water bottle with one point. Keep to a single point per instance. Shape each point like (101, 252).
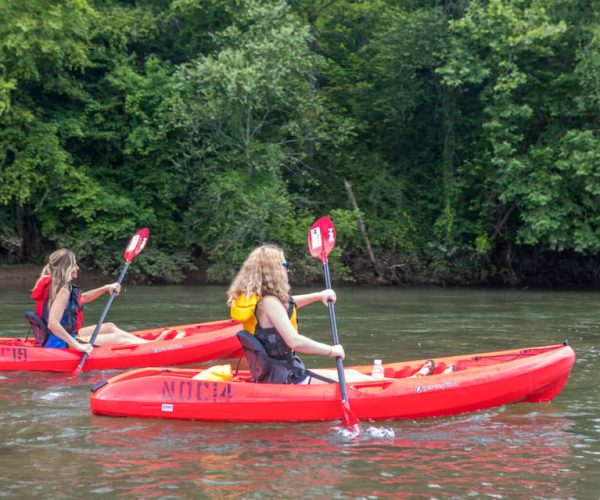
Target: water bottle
(377, 373)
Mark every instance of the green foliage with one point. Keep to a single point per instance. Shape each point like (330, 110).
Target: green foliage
(559, 203)
(44, 44)
(237, 212)
(530, 191)
(468, 131)
(245, 113)
(250, 99)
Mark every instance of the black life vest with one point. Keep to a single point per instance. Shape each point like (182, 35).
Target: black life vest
(271, 339)
(269, 358)
(279, 365)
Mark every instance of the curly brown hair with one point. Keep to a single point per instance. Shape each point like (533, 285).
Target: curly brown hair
(261, 273)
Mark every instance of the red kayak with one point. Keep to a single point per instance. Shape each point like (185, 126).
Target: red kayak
(479, 381)
(192, 343)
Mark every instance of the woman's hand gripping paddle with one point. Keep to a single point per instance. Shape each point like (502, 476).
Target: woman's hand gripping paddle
(136, 244)
(321, 240)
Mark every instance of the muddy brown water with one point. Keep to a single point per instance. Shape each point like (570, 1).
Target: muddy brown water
(52, 447)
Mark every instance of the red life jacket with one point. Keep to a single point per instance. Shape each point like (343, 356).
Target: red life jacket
(72, 319)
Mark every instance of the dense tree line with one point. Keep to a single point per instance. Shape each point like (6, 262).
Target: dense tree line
(463, 136)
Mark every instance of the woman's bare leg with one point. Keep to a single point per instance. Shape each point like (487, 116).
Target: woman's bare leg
(110, 334)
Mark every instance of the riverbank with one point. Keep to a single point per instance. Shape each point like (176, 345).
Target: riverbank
(28, 274)
(18, 275)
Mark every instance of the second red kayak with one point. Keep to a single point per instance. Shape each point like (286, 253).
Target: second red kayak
(479, 381)
(193, 343)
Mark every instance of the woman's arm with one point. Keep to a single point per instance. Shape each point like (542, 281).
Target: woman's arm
(97, 292)
(274, 314)
(324, 296)
(55, 314)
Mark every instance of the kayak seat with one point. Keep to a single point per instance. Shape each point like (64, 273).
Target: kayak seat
(265, 369)
(38, 327)
(259, 362)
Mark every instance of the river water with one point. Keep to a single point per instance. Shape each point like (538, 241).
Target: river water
(52, 447)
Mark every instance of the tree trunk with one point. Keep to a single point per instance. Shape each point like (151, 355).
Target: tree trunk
(361, 226)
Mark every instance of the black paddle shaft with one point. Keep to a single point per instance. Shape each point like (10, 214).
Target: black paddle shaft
(103, 315)
(334, 335)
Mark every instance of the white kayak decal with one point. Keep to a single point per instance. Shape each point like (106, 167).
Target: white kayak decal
(435, 387)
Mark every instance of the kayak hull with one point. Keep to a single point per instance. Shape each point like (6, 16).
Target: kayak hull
(480, 381)
(202, 342)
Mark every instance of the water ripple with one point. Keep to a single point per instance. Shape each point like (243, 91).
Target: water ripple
(49, 439)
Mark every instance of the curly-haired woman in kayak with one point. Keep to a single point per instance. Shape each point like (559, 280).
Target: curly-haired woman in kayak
(59, 303)
(259, 296)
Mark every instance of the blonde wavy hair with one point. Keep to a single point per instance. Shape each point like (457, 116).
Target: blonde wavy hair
(60, 268)
(263, 274)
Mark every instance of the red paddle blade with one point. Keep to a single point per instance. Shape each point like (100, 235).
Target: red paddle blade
(76, 371)
(321, 238)
(349, 419)
(137, 243)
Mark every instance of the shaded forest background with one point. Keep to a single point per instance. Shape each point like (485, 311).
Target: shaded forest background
(467, 132)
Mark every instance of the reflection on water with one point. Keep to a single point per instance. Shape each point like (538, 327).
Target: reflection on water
(492, 453)
(51, 446)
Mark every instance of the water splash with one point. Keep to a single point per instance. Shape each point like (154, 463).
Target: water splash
(348, 434)
(367, 432)
(51, 396)
(380, 432)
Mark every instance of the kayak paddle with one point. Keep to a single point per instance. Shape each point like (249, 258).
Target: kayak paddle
(321, 240)
(136, 244)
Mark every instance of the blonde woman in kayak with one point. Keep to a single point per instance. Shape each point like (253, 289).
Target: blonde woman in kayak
(59, 303)
(259, 296)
